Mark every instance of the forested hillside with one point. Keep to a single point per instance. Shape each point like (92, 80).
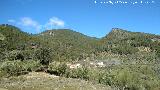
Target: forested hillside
(122, 59)
(125, 42)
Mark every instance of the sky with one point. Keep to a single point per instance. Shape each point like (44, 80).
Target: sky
(94, 18)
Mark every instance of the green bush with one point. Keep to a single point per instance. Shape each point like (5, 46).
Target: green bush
(105, 78)
(82, 73)
(15, 68)
(2, 73)
(2, 56)
(158, 53)
(125, 49)
(61, 69)
(57, 68)
(16, 55)
(32, 65)
(130, 79)
(19, 55)
(2, 37)
(127, 80)
(44, 55)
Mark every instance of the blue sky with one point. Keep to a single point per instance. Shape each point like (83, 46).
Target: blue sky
(91, 17)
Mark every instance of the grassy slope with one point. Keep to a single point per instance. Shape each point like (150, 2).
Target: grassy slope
(43, 81)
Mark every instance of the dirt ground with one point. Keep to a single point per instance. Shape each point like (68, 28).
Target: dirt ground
(45, 81)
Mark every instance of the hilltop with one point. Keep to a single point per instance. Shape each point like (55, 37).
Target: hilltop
(69, 45)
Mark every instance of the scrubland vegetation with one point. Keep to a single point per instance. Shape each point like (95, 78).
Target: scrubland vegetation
(131, 59)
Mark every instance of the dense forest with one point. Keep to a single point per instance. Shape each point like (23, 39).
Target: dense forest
(130, 60)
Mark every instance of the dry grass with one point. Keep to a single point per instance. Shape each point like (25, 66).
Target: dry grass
(44, 81)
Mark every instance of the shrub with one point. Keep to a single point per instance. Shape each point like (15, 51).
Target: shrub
(61, 69)
(82, 73)
(125, 49)
(32, 65)
(44, 55)
(126, 80)
(12, 54)
(2, 56)
(15, 68)
(2, 73)
(105, 78)
(19, 55)
(57, 68)
(158, 53)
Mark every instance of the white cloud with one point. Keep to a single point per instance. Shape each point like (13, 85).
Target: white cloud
(29, 23)
(11, 21)
(54, 21)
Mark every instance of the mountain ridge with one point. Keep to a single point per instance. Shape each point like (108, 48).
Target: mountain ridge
(78, 43)
(109, 60)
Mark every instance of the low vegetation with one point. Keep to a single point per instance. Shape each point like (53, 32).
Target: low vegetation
(131, 59)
